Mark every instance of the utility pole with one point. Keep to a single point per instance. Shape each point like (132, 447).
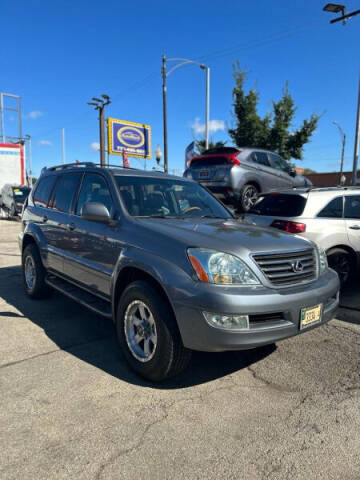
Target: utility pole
(100, 105)
(356, 146)
(63, 145)
(163, 72)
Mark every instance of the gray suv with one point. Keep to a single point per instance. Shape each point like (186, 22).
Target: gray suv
(168, 263)
(238, 176)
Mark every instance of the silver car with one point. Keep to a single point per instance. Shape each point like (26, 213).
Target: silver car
(239, 175)
(328, 216)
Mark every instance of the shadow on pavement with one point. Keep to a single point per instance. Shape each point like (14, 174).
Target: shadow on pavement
(92, 338)
(349, 310)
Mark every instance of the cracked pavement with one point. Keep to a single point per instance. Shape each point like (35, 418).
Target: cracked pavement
(70, 407)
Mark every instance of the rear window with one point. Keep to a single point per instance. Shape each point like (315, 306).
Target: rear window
(209, 161)
(279, 205)
(65, 191)
(43, 190)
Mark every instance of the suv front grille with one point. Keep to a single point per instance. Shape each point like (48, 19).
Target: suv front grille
(288, 268)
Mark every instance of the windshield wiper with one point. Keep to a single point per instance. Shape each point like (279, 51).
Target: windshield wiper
(213, 216)
(156, 215)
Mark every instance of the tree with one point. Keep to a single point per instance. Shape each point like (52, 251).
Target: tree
(273, 131)
(308, 171)
(201, 145)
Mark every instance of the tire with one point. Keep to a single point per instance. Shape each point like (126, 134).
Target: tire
(165, 355)
(34, 273)
(343, 263)
(247, 197)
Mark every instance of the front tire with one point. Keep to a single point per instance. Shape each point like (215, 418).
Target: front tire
(34, 273)
(148, 334)
(248, 197)
(342, 262)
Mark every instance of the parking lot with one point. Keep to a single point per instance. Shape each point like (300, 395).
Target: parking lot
(71, 408)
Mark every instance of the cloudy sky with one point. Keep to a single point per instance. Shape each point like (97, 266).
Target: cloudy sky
(59, 54)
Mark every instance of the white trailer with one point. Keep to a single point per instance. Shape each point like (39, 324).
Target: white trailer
(12, 164)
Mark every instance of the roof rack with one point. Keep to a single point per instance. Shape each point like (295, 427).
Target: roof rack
(69, 165)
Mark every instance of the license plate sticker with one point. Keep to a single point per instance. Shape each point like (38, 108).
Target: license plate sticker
(204, 173)
(310, 316)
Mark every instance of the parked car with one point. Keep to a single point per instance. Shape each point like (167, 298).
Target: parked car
(238, 176)
(169, 264)
(13, 198)
(328, 216)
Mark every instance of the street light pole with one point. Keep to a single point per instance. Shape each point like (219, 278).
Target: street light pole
(163, 72)
(181, 62)
(343, 139)
(356, 146)
(100, 105)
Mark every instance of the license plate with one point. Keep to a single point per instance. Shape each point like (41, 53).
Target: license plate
(204, 174)
(309, 316)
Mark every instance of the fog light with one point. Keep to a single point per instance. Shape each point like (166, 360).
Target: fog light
(228, 322)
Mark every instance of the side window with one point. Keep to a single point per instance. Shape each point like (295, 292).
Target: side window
(352, 206)
(43, 190)
(333, 209)
(94, 189)
(261, 158)
(279, 163)
(65, 191)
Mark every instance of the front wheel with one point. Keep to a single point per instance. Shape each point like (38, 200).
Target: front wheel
(148, 334)
(248, 197)
(342, 262)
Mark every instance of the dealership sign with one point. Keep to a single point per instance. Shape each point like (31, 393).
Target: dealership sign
(133, 138)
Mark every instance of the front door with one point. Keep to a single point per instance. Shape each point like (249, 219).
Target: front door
(95, 246)
(282, 169)
(352, 218)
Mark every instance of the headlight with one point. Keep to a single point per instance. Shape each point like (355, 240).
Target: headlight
(323, 263)
(221, 268)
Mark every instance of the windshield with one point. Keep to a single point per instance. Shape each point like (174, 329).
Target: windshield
(279, 205)
(21, 193)
(165, 198)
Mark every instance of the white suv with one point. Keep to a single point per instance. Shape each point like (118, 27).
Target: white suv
(328, 216)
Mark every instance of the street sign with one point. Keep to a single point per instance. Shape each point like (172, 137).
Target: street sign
(133, 138)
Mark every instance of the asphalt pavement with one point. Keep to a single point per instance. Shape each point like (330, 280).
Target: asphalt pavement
(70, 408)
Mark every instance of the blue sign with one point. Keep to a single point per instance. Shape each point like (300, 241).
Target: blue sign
(134, 138)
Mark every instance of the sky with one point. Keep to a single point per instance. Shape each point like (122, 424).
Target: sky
(57, 55)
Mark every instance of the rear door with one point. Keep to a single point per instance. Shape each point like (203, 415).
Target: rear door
(45, 219)
(352, 218)
(282, 170)
(57, 223)
(95, 247)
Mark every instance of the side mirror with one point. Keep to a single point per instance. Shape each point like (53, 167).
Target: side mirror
(95, 212)
(293, 172)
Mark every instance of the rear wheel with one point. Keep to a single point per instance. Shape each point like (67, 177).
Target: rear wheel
(148, 334)
(34, 273)
(342, 262)
(248, 197)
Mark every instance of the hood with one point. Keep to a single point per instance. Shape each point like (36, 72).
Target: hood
(232, 236)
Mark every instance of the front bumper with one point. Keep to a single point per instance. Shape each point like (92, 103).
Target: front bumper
(274, 314)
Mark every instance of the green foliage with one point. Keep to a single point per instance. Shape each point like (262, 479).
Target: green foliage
(200, 145)
(273, 131)
(308, 171)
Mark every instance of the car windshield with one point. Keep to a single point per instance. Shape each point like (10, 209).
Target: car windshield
(20, 193)
(279, 205)
(167, 198)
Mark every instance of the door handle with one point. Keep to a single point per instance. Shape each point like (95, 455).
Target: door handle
(71, 226)
(355, 227)
(45, 219)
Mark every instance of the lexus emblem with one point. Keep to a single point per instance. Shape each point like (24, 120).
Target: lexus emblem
(297, 266)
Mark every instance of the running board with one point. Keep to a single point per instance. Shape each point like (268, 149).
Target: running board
(92, 302)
